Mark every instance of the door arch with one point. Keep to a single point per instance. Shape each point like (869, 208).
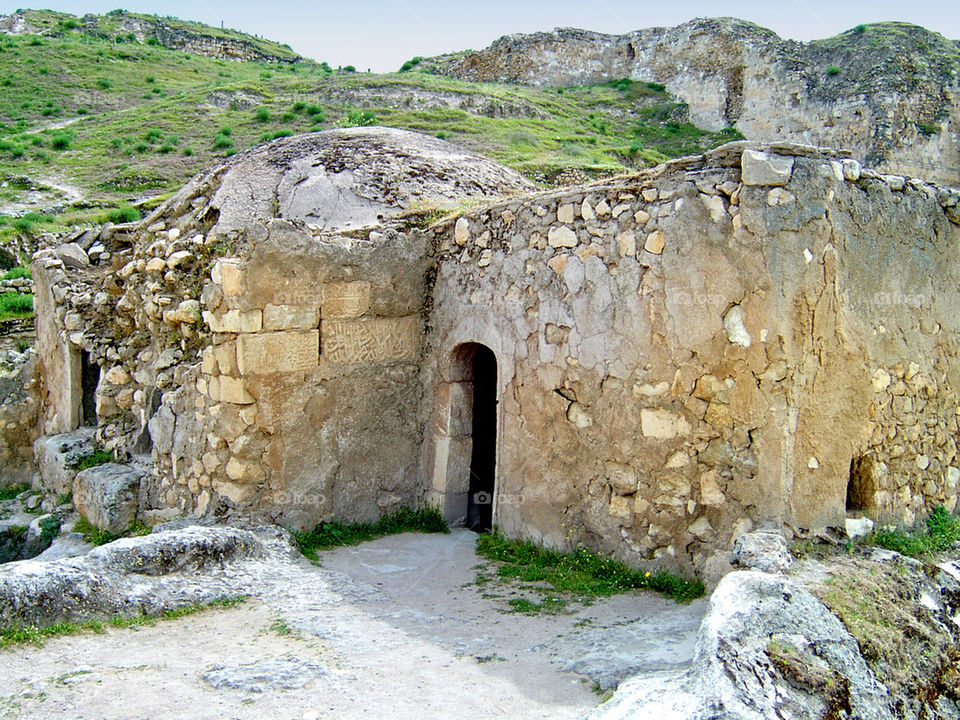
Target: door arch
(465, 440)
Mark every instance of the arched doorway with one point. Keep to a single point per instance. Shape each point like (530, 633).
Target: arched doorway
(483, 456)
(465, 439)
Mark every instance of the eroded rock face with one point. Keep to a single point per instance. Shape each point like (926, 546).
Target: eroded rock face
(892, 97)
(144, 574)
(106, 495)
(766, 649)
(340, 179)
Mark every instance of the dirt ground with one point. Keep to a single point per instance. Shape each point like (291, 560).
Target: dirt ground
(397, 628)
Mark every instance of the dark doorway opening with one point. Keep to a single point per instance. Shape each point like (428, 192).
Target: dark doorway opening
(861, 486)
(89, 379)
(483, 458)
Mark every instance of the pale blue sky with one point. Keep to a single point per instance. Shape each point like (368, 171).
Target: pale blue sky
(382, 34)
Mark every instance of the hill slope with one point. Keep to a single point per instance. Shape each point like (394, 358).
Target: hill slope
(96, 114)
(890, 92)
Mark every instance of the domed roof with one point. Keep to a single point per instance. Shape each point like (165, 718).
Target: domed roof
(353, 177)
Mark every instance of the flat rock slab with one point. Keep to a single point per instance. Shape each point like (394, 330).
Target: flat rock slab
(287, 673)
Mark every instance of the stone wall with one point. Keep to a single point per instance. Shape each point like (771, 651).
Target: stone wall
(759, 335)
(713, 345)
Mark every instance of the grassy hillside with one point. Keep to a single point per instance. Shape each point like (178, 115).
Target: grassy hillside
(95, 119)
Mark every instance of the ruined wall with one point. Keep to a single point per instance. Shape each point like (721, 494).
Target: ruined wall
(690, 352)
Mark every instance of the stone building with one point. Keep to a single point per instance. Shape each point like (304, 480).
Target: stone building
(648, 365)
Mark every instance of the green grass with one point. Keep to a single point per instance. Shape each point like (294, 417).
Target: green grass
(37, 635)
(11, 491)
(125, 140)
(582, 572)
(17, 273)
(97, 457)
(940, 533)
(96, 536)
(329, 535)
(15, 305)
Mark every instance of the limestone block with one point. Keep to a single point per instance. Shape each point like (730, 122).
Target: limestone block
(232, 390)
(565, 213)
(185, 312)
(345, 301)
(106, 495)
(117, 375)
(851, 169)
(627, 244)
(578, 416)
(234, 321)
(622, 478)
(179, 258)
(736, 330)
(290, 317)
(714, 205)
(278, 352)
(763, 551)
(562, 237)
(702, 530)
(225, 355)
(663, 424)
(347, 342)
(461, 232)
(655, 242)
(620, 507)
(602, 208)
(237, 493)
(155, 265)
(761, 168)
(650, 194)
(229, 275)
(558, 263)
(586, 212)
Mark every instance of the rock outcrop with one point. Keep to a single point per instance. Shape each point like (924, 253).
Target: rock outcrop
(132, 576)
(888, 92)
(767, 649)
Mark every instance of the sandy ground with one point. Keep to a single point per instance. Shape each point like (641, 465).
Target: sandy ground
(396, 628)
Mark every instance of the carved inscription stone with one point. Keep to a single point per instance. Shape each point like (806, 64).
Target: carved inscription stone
(278, 352)
(345, 301)
(347, 342)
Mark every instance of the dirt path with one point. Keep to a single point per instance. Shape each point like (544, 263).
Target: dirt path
(392, 629)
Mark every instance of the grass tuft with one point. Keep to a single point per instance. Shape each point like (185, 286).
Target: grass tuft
(37, 635)
(581, 572)
(941, 532)
(333, 534)
(11, 491)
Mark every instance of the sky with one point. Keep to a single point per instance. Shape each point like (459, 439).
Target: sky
(382, 34)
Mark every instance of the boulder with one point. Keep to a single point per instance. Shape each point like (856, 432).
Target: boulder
(106, 495)
(57, 456)
(763, 168)
(763, 551)
(766, 649)
(72, 256)
(147, 574)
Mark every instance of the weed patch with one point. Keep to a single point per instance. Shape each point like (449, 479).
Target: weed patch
(11, 491)
(37, 635)
(329, 535)
(940, 532)
(582, 572)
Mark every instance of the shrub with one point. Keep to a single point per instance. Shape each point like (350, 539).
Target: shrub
(188, 152)
(349, 69)
(123, 215)
(316, 113)
(940, 533)
(17, 273)
(151, 79)
(411, 64)
(227, 131)
(82, 111)
(262, 115)
(927, 129)
(222, 142)
(104, 84)
(299, 106)
(15, 305)
(165, 148)
(360, 118)
(141, 147)
(61, 141)
(283, 132)
(833, 70)
(288, 117)
(97, 457)
(860, 29)
(153, 135)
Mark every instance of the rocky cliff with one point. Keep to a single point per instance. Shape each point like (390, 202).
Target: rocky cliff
(887, 92)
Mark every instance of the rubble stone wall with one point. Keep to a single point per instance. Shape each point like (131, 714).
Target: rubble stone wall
(758, 335)
(716, 344)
